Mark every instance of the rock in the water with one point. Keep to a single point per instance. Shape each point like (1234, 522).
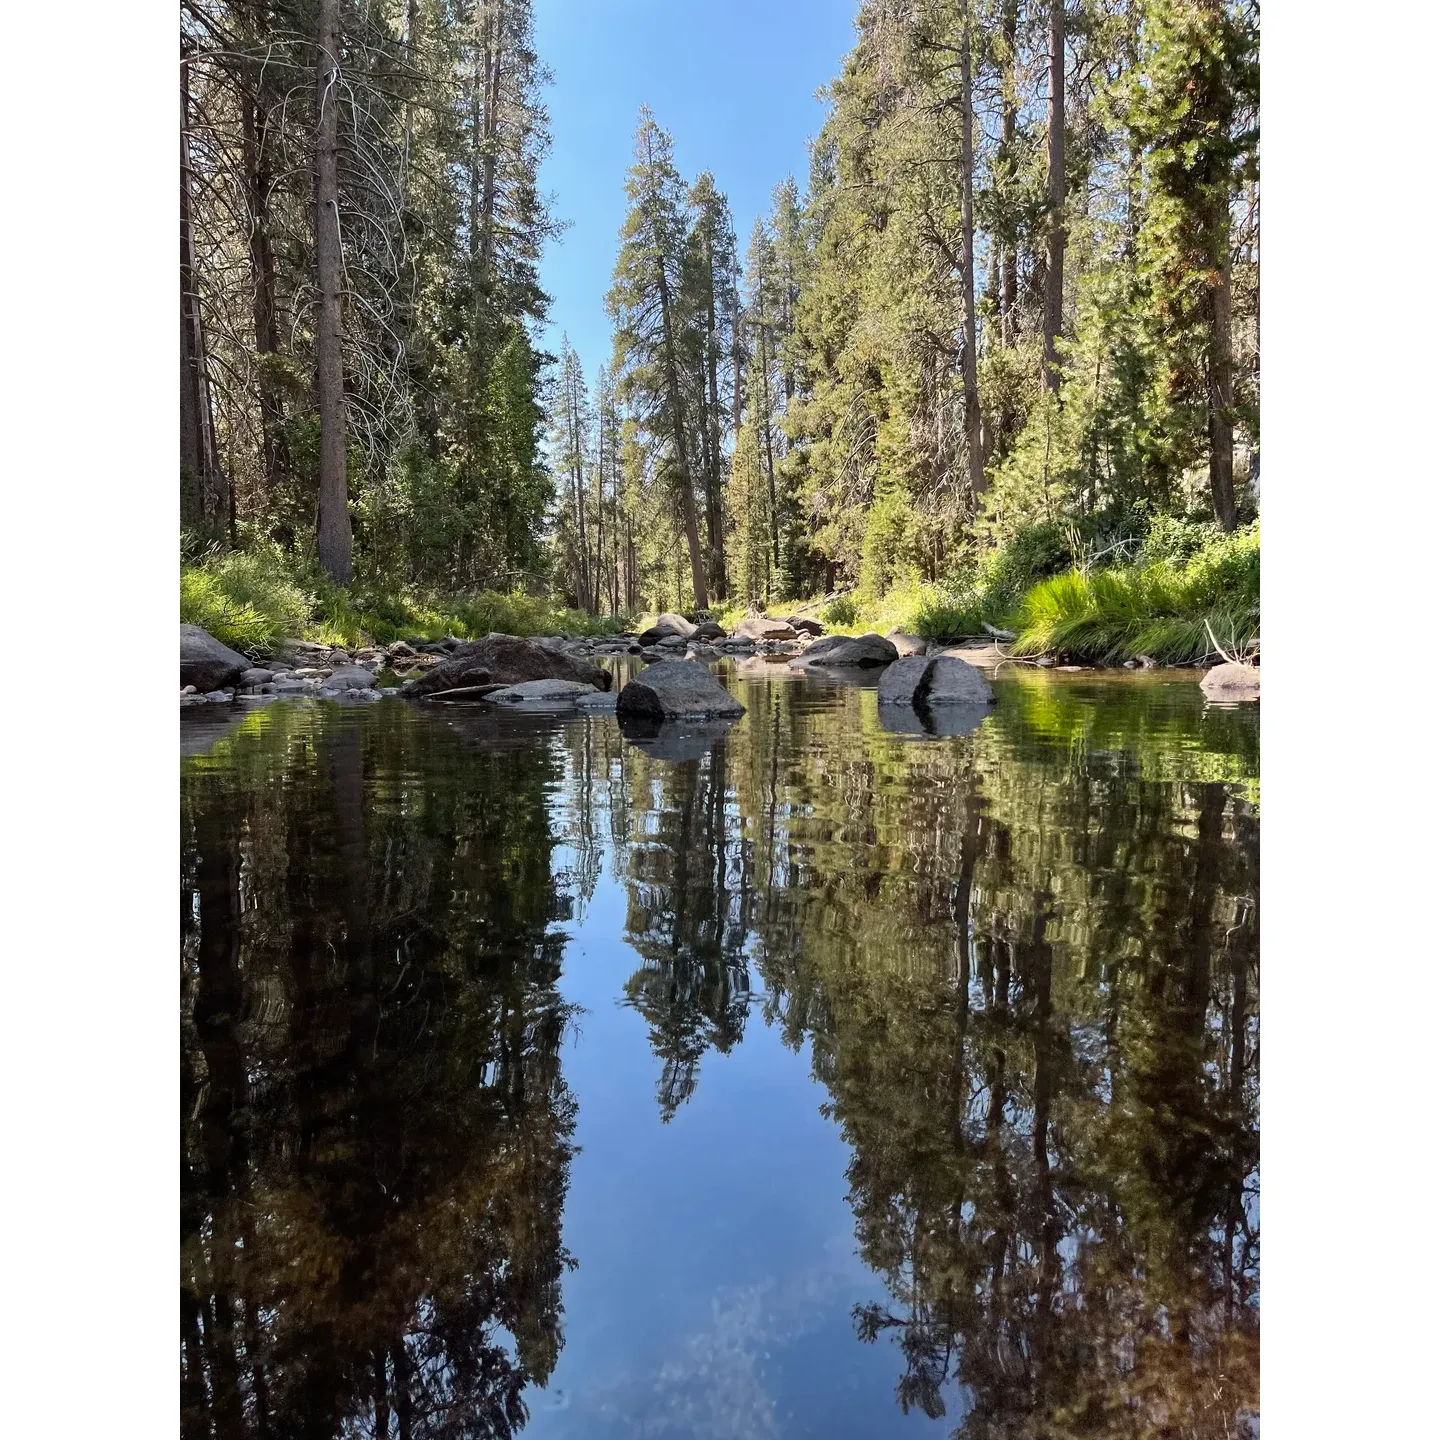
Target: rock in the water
(1232, 682)
(901, 683)
(290, 685)
(764, 627)
(952, 681)
(671, 689)
(350, 677)
(671, 642)
(507, 660)
(205, 663)
(546, 692)
(802, 626)
(841, 650)
(708, 630)
(906, 644)
(596, 700)
(219, 697)
(934, 681)
(257, 676)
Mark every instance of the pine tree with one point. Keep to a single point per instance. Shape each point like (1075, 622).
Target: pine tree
(646, 304)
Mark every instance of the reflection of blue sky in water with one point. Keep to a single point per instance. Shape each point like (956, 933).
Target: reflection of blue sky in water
(717, 1265)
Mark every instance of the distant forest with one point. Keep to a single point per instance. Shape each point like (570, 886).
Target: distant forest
(1014, 308)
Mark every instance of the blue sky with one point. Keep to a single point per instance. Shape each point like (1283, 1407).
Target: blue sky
(735, 83)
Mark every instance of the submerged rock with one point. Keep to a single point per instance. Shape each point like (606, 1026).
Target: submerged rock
(207, 664)
(596, 700)
(671, 689)
(541, 692)
(859, 650)
(1232, 682)
(507, 660)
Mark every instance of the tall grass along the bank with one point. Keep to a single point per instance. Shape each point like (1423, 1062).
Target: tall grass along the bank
(1166, 609)
(251, 600)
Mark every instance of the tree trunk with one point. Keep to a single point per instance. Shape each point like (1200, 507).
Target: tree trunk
(714, 509)
(974, 450)
(1009, 264)
(1221, 388)
(1055, 253)
(255, 160)
(204, 502)
(333, 513)
(676, 408)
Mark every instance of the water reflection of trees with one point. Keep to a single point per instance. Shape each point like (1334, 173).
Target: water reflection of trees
(375, 1131)
(1026, 966)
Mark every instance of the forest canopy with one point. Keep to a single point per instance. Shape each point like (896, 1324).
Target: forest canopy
(1006, 329)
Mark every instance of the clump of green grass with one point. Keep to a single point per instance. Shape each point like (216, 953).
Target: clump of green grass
(841, 613)
(253, 599)
(247, 600)
(1159, 608)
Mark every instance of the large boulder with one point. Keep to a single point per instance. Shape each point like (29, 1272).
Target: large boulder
(1232, 682)
(900, 683)
(936, 680)
(506, 660)
(951, 681)
(676, 689)
(764, 627)
(708, 630)
(848, 650)
(207, 664)
(802, 626)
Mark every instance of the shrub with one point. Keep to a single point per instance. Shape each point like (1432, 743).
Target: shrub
(840, 613)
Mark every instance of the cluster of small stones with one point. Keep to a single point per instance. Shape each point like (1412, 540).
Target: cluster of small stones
(303, 668)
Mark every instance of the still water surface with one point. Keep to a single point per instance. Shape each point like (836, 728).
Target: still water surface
(828, 1082)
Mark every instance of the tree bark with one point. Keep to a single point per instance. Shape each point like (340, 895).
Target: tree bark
(974, 451)
(255, 160)
(204, 502)
(1221, 388)
(333, 512)
(714, 511)
(1055, 249)
(684, 483)
(1009, 264)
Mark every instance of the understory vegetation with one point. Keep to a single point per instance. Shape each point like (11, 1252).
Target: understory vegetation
(1184, 592)
(251, 600)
